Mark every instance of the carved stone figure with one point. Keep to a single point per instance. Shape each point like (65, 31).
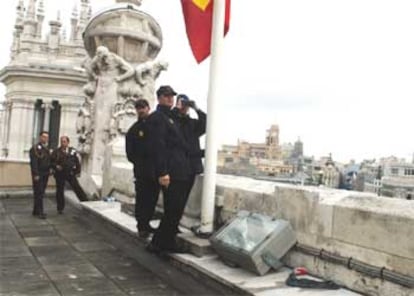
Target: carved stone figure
(90, 87)
(84, 126)
(147, 73)
(108, 64)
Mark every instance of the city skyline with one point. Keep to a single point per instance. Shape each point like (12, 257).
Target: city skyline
(325, 72)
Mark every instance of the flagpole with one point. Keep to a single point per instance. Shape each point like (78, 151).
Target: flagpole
(209, 181)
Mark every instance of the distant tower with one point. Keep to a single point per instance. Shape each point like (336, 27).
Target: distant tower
(297, 149)
(273, 150)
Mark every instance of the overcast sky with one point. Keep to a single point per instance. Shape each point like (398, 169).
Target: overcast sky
(337, 74)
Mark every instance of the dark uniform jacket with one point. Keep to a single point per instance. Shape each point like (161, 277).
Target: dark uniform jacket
(67, 160)
(137, 150)
(39, 160)
(192, 129)
(168, 146)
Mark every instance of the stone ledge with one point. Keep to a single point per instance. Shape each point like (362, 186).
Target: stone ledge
(209, 266)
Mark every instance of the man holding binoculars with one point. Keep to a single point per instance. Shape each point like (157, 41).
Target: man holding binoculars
(192, 129)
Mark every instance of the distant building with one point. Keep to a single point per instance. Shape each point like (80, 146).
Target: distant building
(255, 159)
(286, 150)
(398, 180)
(390, 176)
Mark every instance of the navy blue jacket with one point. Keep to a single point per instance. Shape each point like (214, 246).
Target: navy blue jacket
(138, 150)
(192, 129)
(169, 149)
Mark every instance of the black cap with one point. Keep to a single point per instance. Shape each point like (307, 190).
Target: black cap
(183, 97)
(141, 103)
(165, 90)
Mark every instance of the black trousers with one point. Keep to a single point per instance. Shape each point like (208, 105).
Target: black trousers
(60, 188)
(39, 188)
(190, 186)
(175, 197)
(146, 197)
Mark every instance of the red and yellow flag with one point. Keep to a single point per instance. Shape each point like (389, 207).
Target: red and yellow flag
(198, 17)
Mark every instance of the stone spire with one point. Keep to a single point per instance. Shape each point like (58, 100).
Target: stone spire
(40, 19)
(85, 5)
(18, 29)
(19, 14)
(54, 35)
(31, 10)
(30, 23)
(83, 18)
(136, 2)
(74, 23)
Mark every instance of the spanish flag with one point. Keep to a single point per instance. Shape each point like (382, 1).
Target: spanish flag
(198, 15)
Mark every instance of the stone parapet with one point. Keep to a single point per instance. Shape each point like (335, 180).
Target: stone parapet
(375, 230)
(15, 174)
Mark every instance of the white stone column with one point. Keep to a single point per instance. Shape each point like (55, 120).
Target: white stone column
(19, 130)
(48, 107)
(3, 114)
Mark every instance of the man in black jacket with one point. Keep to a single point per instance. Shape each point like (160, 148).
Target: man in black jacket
(40, 169)
(172, 168)
(66, 167)
(147, 188)
(192, 129)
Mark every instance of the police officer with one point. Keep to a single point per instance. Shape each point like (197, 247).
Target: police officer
(192, 129)
(66, 166)
(40, 169)
(172, 168)
(147, 188)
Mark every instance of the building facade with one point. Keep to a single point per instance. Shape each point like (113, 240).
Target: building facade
(43, 80)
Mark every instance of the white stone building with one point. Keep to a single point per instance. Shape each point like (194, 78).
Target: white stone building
(43, 80)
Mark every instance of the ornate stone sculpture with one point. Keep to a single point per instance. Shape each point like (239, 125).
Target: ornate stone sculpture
(113, 86)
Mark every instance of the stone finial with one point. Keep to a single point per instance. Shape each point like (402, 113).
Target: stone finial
(55, 27)
(136, 2)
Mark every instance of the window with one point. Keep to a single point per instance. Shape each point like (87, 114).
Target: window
(47, 117)
(394, 171)
(409, 172)
(54, 125)
(38, 120)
